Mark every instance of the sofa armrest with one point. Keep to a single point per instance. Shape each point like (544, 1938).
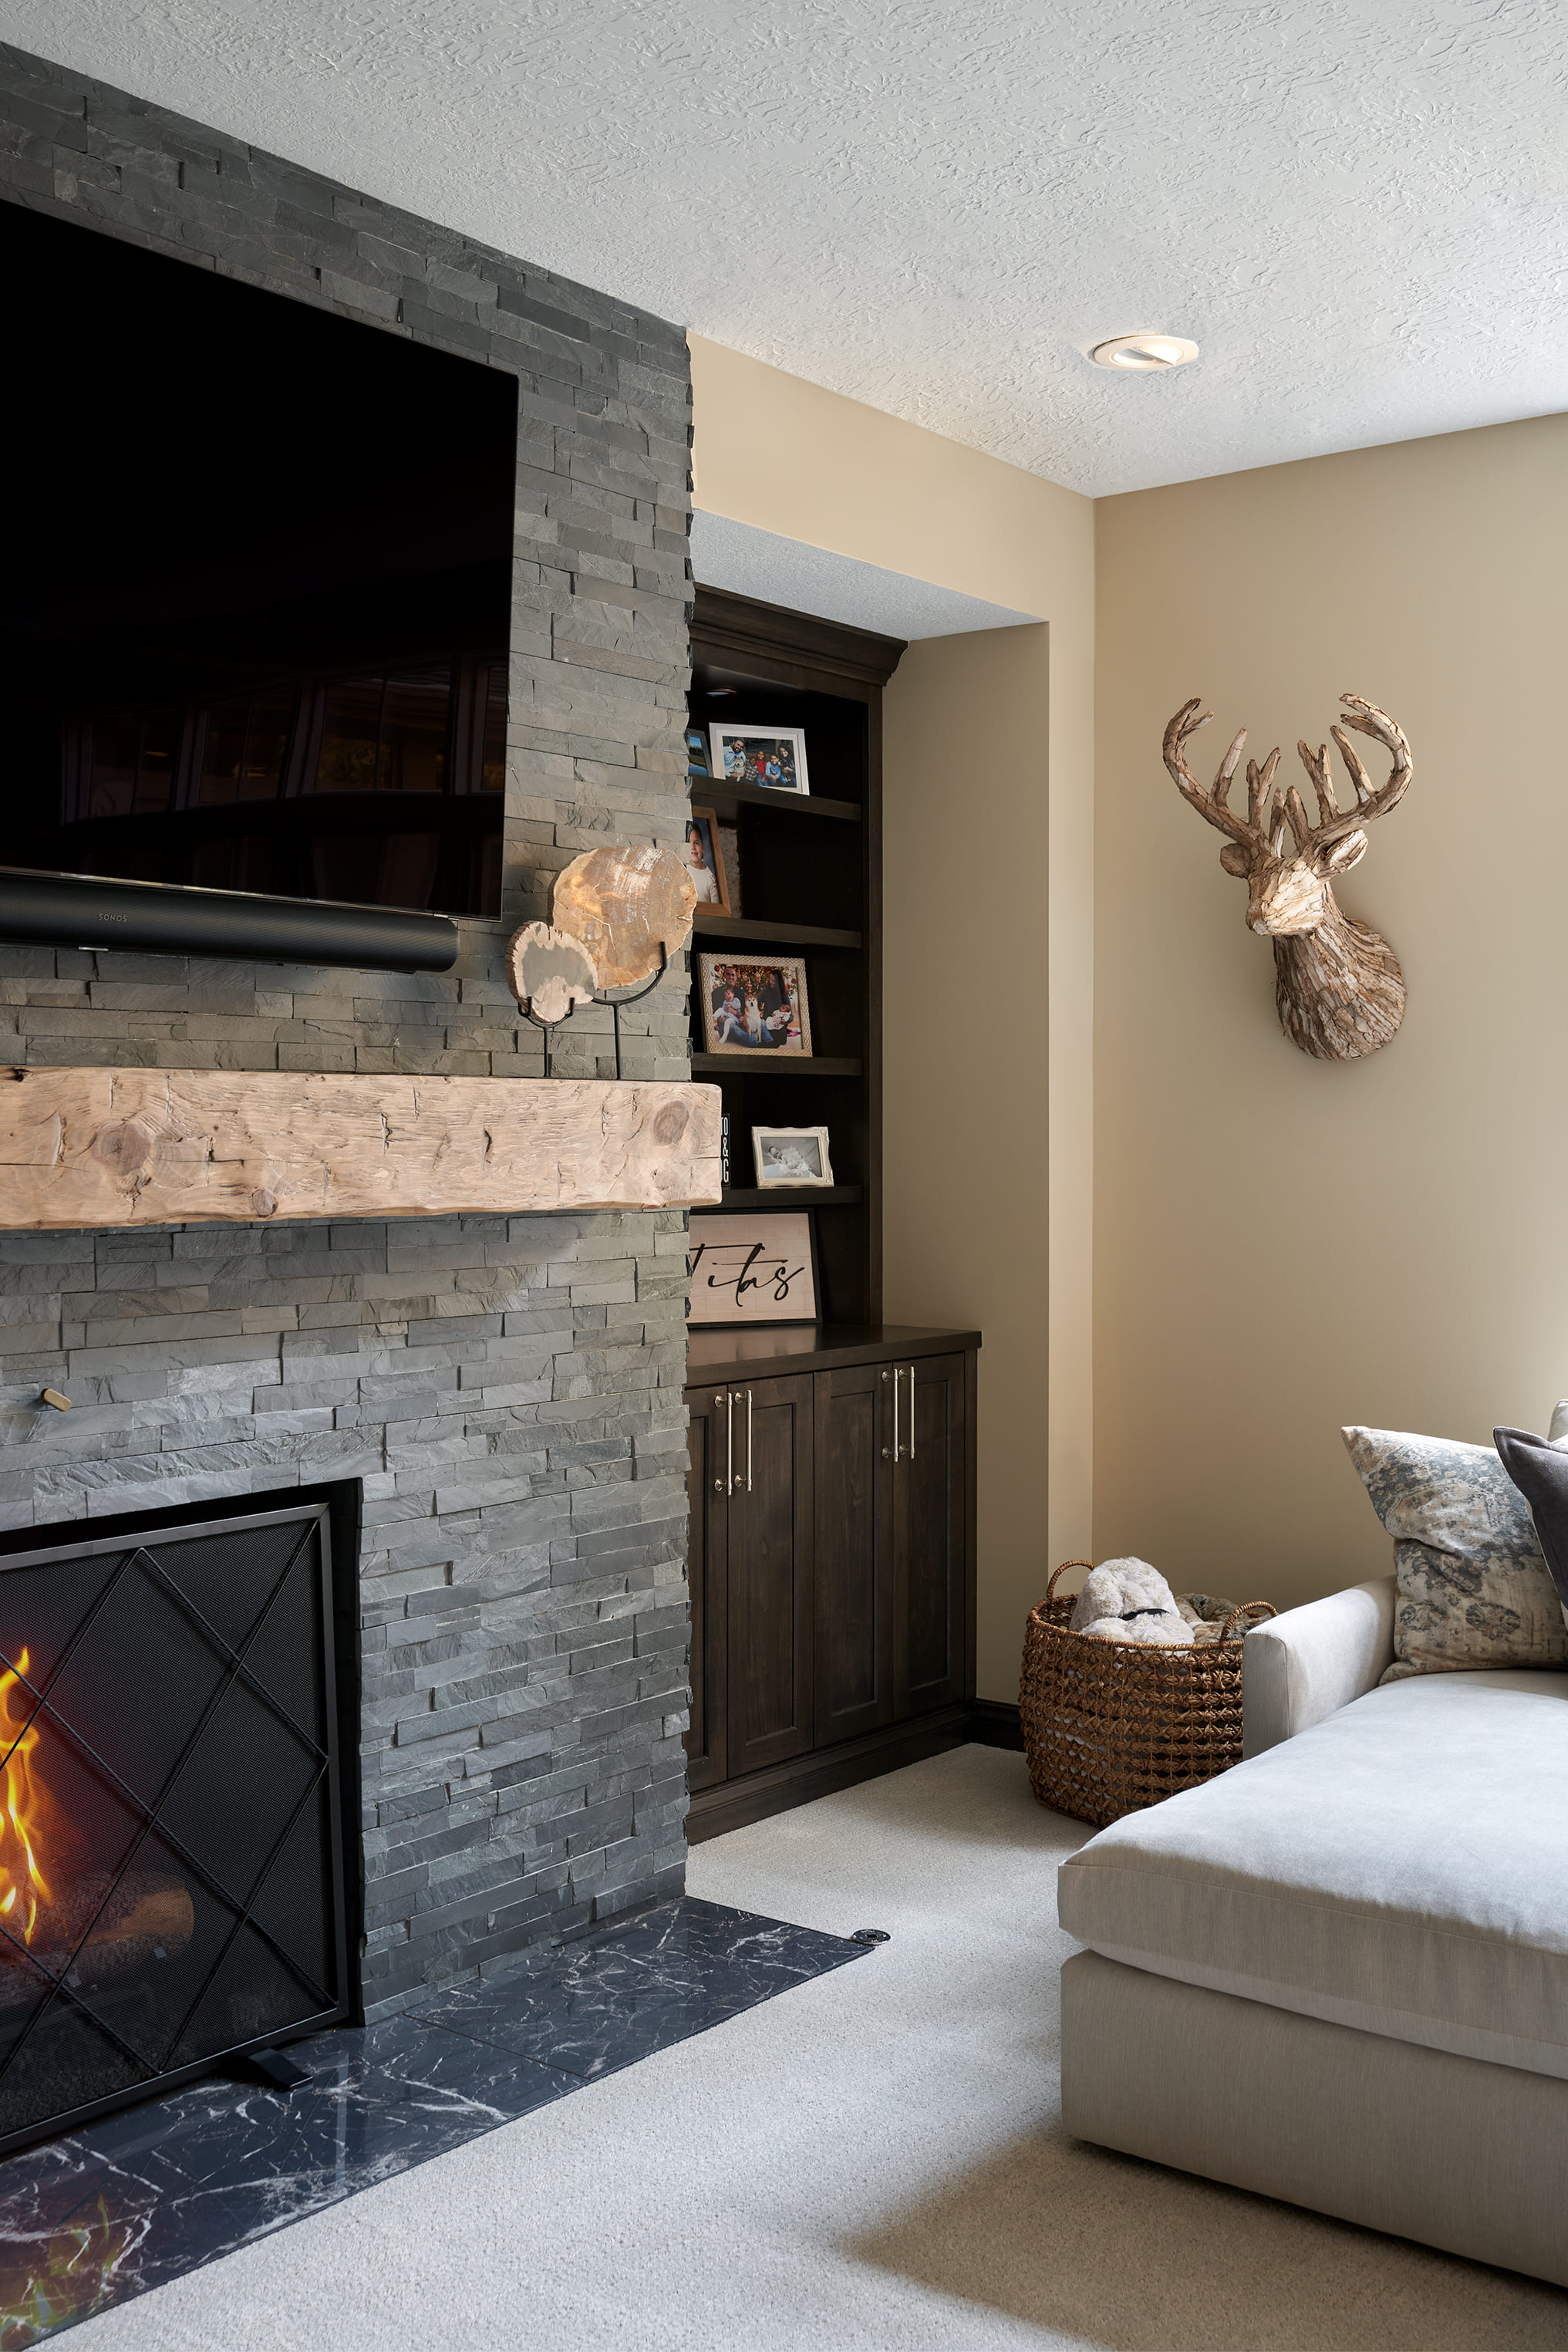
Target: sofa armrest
(1297, 1668)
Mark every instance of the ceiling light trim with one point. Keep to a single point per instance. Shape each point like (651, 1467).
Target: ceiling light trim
(1149, 352)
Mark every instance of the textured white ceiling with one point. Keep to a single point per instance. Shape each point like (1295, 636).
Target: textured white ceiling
(1358, 208)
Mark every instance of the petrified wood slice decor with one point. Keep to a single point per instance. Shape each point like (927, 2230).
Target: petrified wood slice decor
(549, 972)
(1337, 985)
(624, 905)
(94, 1147)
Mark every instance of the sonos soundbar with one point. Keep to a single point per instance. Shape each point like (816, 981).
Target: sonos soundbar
(78, 911)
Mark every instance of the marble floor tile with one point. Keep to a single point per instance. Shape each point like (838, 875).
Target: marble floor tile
(140, 2197)
(668, 1973)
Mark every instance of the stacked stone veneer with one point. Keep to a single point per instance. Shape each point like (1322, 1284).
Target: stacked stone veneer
(508, 1390)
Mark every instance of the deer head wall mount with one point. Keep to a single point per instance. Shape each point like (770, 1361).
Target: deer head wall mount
(1337, 985)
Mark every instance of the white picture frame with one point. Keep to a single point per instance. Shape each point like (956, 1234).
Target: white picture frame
(791, 1156)
(745, 751)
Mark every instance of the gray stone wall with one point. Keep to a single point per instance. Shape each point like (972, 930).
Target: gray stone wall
(509, 1390)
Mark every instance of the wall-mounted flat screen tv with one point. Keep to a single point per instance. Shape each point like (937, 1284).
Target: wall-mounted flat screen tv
(257, 586)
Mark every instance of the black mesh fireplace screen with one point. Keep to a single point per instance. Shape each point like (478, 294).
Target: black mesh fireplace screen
(172, 1882)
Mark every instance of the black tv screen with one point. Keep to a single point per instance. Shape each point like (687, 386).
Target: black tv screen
(257, 586)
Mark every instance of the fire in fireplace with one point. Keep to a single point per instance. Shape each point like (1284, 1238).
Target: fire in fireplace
(173, 1890)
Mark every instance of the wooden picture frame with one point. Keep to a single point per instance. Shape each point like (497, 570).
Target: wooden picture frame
(751, 753)
(752, 1269)
(791, 1156)
(701, 827)
(696, 751)
(754, 1005)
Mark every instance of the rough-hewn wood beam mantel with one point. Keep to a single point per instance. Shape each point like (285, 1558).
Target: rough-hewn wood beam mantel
(114, 1147)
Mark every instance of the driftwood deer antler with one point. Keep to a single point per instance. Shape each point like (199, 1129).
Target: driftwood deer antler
(1338, 987)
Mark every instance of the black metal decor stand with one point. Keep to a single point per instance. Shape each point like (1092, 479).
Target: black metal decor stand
(615, 1003)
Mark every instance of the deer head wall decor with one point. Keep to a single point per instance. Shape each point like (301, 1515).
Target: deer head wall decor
(1338, 987)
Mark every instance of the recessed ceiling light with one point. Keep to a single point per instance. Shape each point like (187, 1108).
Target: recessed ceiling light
(1143, 355)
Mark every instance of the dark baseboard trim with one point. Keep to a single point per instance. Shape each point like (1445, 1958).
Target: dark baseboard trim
(733, 1804)
(996, 1723)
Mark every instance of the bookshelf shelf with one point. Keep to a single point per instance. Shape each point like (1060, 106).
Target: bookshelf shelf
(746, 930)
(793, 1196)
(713, 789)
(761, 1065)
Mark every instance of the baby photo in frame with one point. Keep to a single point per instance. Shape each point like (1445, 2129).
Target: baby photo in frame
(753, 1007)
(703, 854)
(773, 757)
(790, 1155)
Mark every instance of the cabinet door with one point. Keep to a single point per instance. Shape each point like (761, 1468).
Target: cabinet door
(854, 1552)
(706, 1541)
(769, 1581)
(930, 1537)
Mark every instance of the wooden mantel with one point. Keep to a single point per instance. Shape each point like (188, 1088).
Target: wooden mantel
(121, 1148)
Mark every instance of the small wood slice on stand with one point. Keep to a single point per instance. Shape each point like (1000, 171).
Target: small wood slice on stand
(549, 972)
(624, 905)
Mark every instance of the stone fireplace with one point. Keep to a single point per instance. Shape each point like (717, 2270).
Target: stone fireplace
(504, 1391)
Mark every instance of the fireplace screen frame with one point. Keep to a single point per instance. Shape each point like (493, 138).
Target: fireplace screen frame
(333, 1514)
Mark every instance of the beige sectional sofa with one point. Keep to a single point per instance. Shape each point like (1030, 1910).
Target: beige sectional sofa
(1339, 1973)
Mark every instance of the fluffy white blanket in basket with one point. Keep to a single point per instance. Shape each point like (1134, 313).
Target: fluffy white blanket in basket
(1128, 1601)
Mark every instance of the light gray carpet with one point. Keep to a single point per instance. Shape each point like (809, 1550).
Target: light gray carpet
(872, 2163)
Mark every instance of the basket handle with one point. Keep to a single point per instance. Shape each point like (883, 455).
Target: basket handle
(1246, 1609)
(1050, 1588)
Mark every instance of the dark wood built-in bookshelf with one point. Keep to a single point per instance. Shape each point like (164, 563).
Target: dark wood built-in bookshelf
(831, 1484)
(811, 867)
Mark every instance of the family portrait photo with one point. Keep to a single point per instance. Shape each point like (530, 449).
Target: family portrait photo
(791, 1155)
(704, 860)
(754, 1008)
(772, 757)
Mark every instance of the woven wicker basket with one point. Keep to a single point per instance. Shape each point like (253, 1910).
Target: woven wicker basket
(1111, 1727)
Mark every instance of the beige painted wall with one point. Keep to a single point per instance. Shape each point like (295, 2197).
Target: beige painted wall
(990, 824)
(1284, 1245)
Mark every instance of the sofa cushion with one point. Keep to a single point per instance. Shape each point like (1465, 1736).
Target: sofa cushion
(1400, 1867)
(1474, 1589)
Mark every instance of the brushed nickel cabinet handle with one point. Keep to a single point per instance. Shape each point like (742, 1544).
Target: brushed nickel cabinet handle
(912, 1413)
(897, 1449)
(749, 1441)
(729, 1470)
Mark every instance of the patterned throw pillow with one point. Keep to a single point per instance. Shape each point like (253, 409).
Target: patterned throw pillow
(1473, 1588)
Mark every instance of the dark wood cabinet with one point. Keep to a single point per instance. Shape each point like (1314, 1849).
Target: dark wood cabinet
(929, 1536)
(854, 1552)
(770, 1572)
(831, 1484)
(707, 1542)
(832, 1464)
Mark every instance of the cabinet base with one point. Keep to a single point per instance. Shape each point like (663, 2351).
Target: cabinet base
(735, 1803)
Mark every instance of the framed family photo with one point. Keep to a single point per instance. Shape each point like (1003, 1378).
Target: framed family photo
(791, 1155)
(760, 1268)
(754, 1008)
(773, 757)
(704, 860)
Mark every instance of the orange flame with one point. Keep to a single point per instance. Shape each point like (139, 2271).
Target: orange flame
(23, 1885)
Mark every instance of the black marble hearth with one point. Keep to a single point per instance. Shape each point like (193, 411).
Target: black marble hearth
(143, 2197)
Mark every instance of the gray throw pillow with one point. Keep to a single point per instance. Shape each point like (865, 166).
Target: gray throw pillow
(1473, 1588)
(1539, 1468)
